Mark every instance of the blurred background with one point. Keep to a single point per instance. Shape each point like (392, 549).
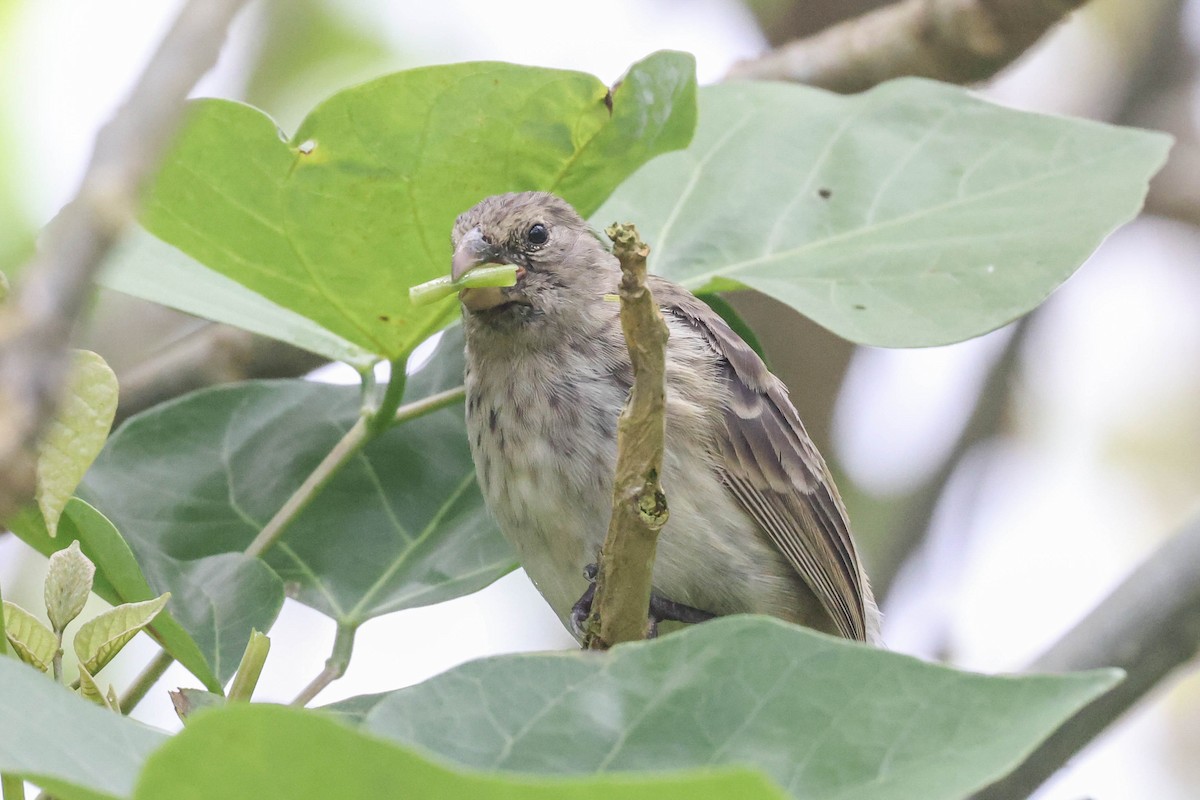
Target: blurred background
(1000, 487)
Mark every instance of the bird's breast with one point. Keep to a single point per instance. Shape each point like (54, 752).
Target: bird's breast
(542, 431)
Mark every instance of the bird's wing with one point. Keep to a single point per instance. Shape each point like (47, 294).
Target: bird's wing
(774, 470)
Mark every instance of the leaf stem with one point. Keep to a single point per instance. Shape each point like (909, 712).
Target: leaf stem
(427, 405)
(346, 448)
(250, 668)
(57, 660)
(144, 682)
(381, 416)
(13, 787)
(335, 665)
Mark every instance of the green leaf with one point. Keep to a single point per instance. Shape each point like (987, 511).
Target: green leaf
(119, 580)
(75, 435)
(912, 214)
(34, 643)
(188, 701)
(102, 637)
(402, 525)
(822, 716)
(90, 690)
(336, 222)
(276, 753)
(68, 746)
(728, 313)
(147, 267)
(68, 584)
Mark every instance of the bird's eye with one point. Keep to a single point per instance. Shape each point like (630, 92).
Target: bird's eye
(537, 234)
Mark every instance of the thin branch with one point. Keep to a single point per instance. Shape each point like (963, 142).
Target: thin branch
(35, 328)
(346, 448)
(906, 537)
(959, 41)
(335, 665)
(145, 681)
(1149, 627)
(622, 598)
(210, 355)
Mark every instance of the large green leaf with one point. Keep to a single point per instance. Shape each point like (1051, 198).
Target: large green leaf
(66, 744)
(147, 267)
(338, 221)
(245, 593)
(822, 716)
(261, 752)
(401, 525)
(913, 214)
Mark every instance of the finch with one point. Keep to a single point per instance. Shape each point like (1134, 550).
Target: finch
(756, 524)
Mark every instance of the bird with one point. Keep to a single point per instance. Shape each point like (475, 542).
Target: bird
(756, 524)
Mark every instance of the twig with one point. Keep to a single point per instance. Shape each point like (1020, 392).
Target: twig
(959, 41)
(355, 439)
(210, 355)
(35, 328)
(145, 681)
(903, 541)
(345, 449)
(622, 598)
(1149, 626)
(335, 665)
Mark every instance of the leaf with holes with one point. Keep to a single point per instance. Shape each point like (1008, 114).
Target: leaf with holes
(75, 435)
(336, 222)
(821, 716)
(401, 525)
(913, 214)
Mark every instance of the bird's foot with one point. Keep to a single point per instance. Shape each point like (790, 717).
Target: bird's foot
(662, 609)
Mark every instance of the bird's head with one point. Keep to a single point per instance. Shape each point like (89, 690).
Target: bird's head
(556, 254)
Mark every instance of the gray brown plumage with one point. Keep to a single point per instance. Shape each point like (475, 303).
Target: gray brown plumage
(756, 522)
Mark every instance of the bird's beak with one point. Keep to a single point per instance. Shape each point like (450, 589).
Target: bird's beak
(472, 252)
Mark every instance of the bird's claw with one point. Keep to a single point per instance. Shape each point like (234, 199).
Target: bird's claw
(662, 609)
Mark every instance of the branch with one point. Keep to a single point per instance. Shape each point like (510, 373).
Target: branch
(959, 41)
(907, 536)
(35, 328)
(1149, 626)
(335, 665)
(212, 354)
(622, 599)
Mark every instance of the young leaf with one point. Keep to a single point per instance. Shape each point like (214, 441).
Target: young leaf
(69, 747)
(822, 716)
(74, 437)
(278, 753)
(337, 221)
(90, 690)
(68, 584)
(102, 637)
(119, 580)
(33, 642)
(913, 214)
